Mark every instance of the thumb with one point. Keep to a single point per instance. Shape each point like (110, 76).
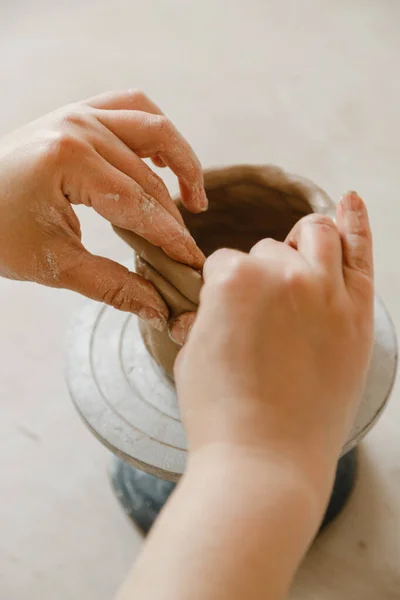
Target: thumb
(180, 328)
(107, 281)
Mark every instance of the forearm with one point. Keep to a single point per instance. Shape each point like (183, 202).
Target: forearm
(233, 529)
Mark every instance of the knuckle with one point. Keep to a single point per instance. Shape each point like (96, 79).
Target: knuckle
(295, 280)
(240, 277)
(115, 297)
(164, 125)
(61, 144)
(322, 221)
(137, 97)
(159, 187)
(73, 117)
(264, 244)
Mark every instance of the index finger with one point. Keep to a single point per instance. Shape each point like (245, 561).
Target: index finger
(124, 203)
(127, 100)
(154, 135)
(124, 100)
(354, 228)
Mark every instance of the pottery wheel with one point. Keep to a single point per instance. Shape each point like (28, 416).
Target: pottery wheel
(131, 406)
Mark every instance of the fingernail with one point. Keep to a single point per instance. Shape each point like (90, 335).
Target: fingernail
(351, 201)
(203, 200)
(353, 212)
(179, 330)
(199, 196)
(177, 333)
(153, 317)
(189, 245)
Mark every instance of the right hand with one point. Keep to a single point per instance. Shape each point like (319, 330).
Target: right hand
(276, 361)
(91, 153)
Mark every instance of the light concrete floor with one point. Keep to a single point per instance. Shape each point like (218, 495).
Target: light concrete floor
(310, 85)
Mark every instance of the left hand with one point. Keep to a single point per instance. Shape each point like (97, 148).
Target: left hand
(91, 153)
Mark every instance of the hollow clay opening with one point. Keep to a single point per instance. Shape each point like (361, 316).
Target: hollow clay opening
(246, 204)
(240, 214)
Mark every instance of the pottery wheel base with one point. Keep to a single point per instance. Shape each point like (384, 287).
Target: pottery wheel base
(131, 406)
(143, 496)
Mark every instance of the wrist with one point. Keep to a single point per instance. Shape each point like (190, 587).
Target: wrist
(309, 476)
(252, 504)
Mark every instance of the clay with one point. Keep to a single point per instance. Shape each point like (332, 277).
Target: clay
(246, 204)
(183, 278)
(178, 303)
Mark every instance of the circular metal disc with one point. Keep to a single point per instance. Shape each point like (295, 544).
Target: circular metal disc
(131, 406)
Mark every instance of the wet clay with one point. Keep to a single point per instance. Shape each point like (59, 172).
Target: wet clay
(184, 279)
(246, 204)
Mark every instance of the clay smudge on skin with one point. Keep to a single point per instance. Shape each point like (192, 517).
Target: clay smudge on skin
(45, 268)
(48, 216)
(39, 271)
(114, 197)
(147, 291)
(157, 322)
(148, 209)
(52, 263)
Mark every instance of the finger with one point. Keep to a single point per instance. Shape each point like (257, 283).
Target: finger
(354, 228)
(124, 203)
(220, 262)
(114, 151)
(107, 281)
(317, 239)
(180, 328)
(270, 248)
(128, 100)
(150, 135)
(124, 100)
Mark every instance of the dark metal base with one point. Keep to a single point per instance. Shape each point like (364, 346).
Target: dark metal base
(345, 478)
(143, 496)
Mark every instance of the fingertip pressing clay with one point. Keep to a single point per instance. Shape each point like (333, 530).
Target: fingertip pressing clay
(124, 395)
(246, 204)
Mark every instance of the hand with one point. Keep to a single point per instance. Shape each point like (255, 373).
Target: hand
(91, 153)
(275, 363)
(269, 382)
